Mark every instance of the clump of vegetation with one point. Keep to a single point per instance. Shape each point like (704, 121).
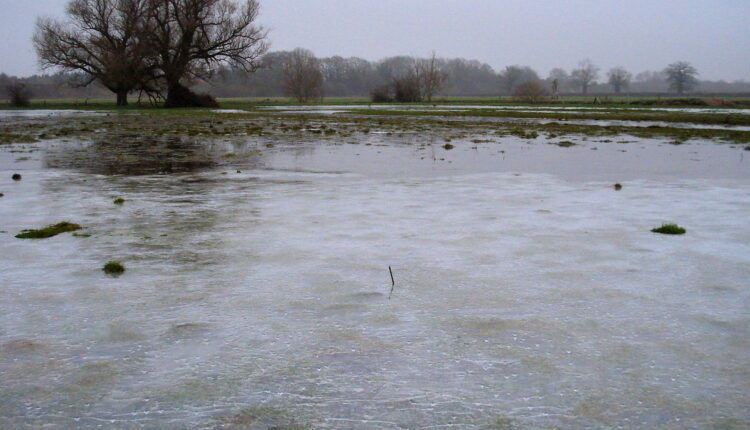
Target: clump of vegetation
(565, 144)
(747, 148)
(49, 231)
(669, 229)
(16, 177)
(19, 94)
(448, 146)
(531, 92)
(618, 187)
(118, 201)
(114, 268)
(381, 94)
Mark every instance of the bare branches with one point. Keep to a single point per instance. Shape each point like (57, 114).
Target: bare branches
(103, 38)
(302, 77)
(131, 45)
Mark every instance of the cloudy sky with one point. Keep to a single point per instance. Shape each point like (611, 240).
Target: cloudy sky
(638, 34)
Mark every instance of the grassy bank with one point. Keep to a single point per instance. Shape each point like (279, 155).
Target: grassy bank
(623, 102)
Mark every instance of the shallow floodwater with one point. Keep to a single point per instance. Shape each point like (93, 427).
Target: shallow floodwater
(528, 293)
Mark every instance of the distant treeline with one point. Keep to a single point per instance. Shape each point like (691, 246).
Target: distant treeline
(346, 77)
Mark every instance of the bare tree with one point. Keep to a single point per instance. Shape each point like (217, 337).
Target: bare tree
(302, 76)
(431, 76)
(681, 76)
(619, 78)
(585, 75)
(193, 38)
(103, 38)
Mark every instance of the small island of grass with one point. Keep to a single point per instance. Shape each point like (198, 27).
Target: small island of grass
(114, 268)
(49, 231)
(669, 229)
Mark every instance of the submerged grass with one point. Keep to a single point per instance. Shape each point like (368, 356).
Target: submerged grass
(49, 231)
(669, 229)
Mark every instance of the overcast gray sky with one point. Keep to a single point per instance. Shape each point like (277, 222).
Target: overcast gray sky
(638, 34)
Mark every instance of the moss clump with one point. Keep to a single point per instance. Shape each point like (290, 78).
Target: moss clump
(618, 187)
(49, 231)
(16, 177)
(114, 268)
(118, 201)
(669, 229)
(448, 146)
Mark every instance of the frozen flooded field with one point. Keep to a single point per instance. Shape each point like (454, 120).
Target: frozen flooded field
(528, 292)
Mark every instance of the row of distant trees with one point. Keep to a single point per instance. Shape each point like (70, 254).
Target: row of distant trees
(411, 79)
(301, 75)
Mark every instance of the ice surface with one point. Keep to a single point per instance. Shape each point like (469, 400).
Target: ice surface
(528, 291)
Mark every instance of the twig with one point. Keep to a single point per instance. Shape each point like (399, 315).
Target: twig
(393, 282)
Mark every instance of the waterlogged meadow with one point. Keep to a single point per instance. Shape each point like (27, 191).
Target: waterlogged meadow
(528, 291)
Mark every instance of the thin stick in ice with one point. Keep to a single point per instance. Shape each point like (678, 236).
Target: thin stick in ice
(393, 282)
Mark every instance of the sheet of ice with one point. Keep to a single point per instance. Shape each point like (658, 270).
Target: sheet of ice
(531, 300)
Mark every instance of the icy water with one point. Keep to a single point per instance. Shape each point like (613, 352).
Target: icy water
(528, 292)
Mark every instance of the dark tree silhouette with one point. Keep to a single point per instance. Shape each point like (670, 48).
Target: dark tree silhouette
(104, 39)
(585, 75)
(193, 38)
(681, 76)
(619, 78)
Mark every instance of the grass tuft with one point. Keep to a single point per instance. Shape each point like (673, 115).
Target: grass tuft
(565, 144)
(49, 231)
(669, 229)
(118, 201)
(114, 268)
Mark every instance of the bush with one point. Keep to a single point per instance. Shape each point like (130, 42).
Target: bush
(183, 97)
(381, 94)
(530, 92)
(406, 89)
(19, 94)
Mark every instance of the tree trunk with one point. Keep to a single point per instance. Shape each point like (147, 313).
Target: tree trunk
(122, 98)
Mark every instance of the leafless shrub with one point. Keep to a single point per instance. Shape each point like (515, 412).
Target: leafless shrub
(531, 92)
(19, 94)
(381, 94)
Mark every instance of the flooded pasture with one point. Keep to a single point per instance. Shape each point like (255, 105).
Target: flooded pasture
(257, 294)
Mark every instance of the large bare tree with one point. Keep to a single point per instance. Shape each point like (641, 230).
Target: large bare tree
(102, 38)
(586, 74)
(302, 77)
(192, 38)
